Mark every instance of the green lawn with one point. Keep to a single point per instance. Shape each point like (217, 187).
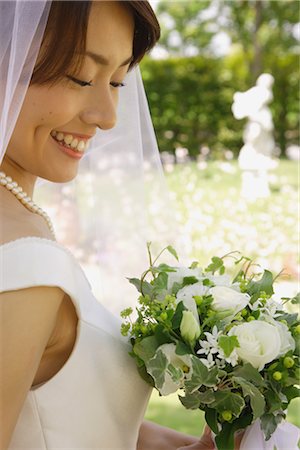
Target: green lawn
(169, 412)
(215, 219)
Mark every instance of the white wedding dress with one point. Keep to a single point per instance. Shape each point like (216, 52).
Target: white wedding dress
(97, 399)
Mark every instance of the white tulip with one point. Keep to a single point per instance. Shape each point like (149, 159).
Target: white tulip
(189, 327)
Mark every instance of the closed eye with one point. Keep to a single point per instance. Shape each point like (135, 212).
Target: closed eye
(80, 82)
(89, 83)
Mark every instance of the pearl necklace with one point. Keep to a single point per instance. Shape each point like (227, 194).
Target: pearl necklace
(22, 196)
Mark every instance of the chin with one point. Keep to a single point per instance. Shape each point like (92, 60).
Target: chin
(61, 177)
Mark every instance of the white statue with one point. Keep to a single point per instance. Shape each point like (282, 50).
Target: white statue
(255, 157)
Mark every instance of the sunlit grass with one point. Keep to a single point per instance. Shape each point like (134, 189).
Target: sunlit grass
(169, 412)
(214, 219)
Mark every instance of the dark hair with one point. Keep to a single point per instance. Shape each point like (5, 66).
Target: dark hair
(65, 40)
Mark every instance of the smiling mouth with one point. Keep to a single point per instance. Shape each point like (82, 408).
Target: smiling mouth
(71, 142)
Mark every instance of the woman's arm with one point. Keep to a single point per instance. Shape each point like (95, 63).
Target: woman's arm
(28, 318)
(156, 437)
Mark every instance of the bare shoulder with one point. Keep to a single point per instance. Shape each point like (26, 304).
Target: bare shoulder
(17, 221)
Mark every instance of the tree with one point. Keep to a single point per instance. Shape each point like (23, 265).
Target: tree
(263, 37)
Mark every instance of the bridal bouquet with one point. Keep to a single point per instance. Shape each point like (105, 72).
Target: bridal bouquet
(226, 345)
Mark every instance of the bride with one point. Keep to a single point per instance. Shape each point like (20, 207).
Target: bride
(67, 380)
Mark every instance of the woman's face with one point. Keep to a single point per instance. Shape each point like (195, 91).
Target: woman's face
(71, 109)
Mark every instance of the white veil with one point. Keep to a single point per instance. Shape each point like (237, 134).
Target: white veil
(119, 200)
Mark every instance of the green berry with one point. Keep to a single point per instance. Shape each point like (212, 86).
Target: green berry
(284, 322)
(163, 316)
(297, 329)
(250, 318)
(277, 376)
(227, 415)
(288, 362)
(244, 312)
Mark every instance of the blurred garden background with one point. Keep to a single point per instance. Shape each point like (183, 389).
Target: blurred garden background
(210, 49)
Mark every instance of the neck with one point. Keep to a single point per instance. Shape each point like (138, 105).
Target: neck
(24, 179)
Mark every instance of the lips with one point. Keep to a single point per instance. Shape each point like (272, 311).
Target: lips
(67, 150)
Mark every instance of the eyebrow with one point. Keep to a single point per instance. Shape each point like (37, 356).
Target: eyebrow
(99, 59)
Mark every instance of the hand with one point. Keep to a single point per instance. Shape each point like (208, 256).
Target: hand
(206, 442)
(156, 437)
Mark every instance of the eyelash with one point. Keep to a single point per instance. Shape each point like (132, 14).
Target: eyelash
(89, 83)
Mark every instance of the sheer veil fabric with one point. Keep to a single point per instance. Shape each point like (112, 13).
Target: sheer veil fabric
(119, 200)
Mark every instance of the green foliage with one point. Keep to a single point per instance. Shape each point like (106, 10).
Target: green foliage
(228, 343)
(191, 97)
(257, 400)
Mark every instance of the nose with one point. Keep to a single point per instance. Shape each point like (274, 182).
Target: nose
(100, 109)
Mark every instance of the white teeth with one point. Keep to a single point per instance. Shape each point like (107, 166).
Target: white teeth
(59, 136)
(81, 146)
(68, 139)
(74, 143)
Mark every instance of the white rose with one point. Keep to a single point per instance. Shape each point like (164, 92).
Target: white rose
(182, 362)
(186, 295)
(189, 327)
(225, 298)
(259, 342)
(286, 338)
(180, 274)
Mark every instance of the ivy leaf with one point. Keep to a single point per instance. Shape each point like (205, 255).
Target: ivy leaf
(199, 375)
(182, 349)
(175, 372)
(248, 372)
(189, 280)
(296, 299)
(212, 377)
(291, 392)
(269, 424)
(190, 401)
(257, 400)
(228, 401)
(146, 348)
(157, 368)
(216, 264)
(274, 402)
(160, 282)
(291, 319)
(207, 397)
(173, 252)
(264, 284)
(228, 343)
(144, 286)
(165, 268)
